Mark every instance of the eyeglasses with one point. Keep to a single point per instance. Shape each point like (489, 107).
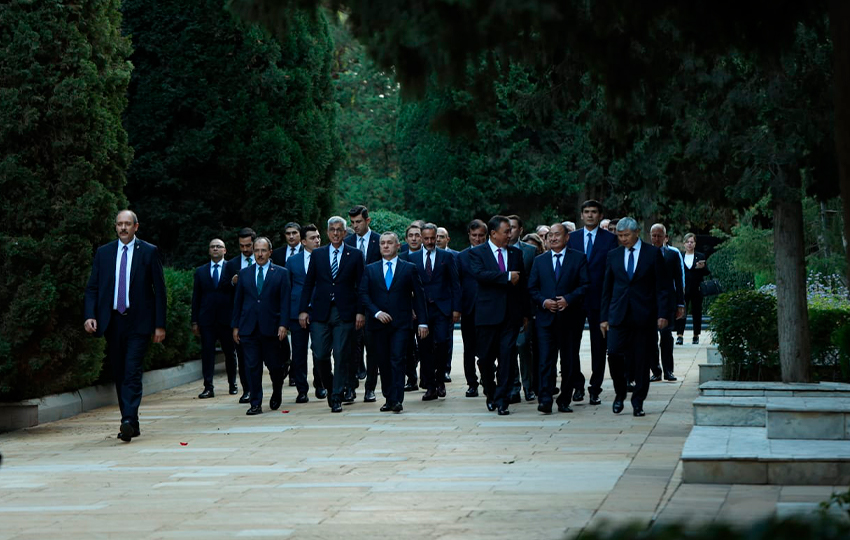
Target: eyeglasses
(216, 247)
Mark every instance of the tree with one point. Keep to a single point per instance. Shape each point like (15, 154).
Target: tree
(231, 126)
(63, 78)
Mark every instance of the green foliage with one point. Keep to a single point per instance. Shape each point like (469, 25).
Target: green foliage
(180, 345)
(841, 340)
(63, 78)
(231, 127)
(385, 221)
(743, 326)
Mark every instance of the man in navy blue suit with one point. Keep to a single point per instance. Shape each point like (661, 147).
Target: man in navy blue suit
(634, 306)
(390, 292)
(260, 319)
(557, 286)
(595, 242)
(477, 232)
(676, 301)
(245, 240)
(438, 273)
(330, 306)
(125, 301)
(212, 308)
(501, 308)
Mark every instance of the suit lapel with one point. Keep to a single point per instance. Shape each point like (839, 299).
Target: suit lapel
(136, 259)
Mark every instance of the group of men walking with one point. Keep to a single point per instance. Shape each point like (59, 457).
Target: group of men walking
(520, 312)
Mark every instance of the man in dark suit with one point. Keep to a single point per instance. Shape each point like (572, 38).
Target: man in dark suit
(390, 292)
(501, 308)
(675, 300)
(292, 234)
(443, 240)
(245, 239)
(634, 305)
(297, 267)
(260, 319)
(413, 235)
(438, 274)
(125, 301)
(212, 308)
(595, 242)
(557, 286)
(477, 232)
(528, 363)
(330, 306)
(366, 242)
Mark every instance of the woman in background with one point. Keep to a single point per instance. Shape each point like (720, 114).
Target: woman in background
(695, 271)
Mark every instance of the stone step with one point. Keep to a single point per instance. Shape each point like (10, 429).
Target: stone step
(744, 455)
(774, 389)
(713, 356)
(811, 418)
(710, 372)
(730, 411)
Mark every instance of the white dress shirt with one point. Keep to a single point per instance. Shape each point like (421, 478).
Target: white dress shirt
(307, 255)
(365, 240)
(130, 250)
(289, 252)
(212, 268)
(555, 260)
(265, 268)
(689, 260)
(592, 234)
(636, 247)
(495, 249)
(331, 250)
(244, 262)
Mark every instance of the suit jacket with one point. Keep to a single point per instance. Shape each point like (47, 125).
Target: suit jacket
(279, 254)
(297, 276)
(529, 252)
(640, 301)
(232, 268)
(676, 292)
(571, 284)
(320, 284)
(442, 289)
(264, 311)
(498, 300)
(468, 283)
(212, 304)
(693, 275)
(373, 247)
(148, 297)
(405, 296)
(605, 242)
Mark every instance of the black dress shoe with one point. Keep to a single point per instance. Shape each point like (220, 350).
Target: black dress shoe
(530, 396)
(545, 408)
(503, 411)
(447, 378)
(136, 433)
(472, 392)
(254, 410)
(669, 376)
(515, 399)
(126, 431)
(491, 406)
(618, 406)
(655, 378)
(630, 387)
(302, 398)
(321, 393)
(348, 396)
(638, 411)
(361, 374)
(398, 407)
(695, 341)
(386, 407)
(441, 390)
(233, 389)
(275, 401)
(411, 387)
(336, 406)
(594, 399)
(430, 395)
(246, 398)
(370, 397)
(564, 408)
(206, 394)
(680, 341)
(578, 395)
(291, 381)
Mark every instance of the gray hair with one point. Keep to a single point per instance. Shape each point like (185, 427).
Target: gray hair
(390, 233)
(132, 214)
(264, 239)
(336, 219)
(429, 227)
(659, 226)
(628, 223)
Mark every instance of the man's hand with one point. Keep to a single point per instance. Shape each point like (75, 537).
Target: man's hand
(90, 325)
(423, 332)
(662, 324)
(514, 277)
(562, 303)
(680, 312)
(384, 317)
(455, 316)
(234, 279)
(159, 335)
(603, 326)
(359, 321)
(236, 335)
(551, 305)
(281, 333)
(195, 329)
(304, 319)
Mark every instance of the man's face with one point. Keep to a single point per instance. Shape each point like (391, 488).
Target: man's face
(262, 252)
(591, 216)
(389, 247)
(657, 237)
(442, 238)
(612, 227)
(429, 239)
(414, 239)
(293, 237)
(477, 236)
(125, 227)
(336, 232)
(246, 247)
(501, 236)
(360, 224)
(515, 231)
(557, 237)
(217, 250)
(628, 238)
(311, 240)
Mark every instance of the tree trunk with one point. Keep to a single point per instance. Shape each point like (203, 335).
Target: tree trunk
(791, 307)
(839, 21)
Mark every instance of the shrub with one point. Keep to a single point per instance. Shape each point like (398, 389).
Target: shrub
(722, 266)
(179, 345)
(386, 221)
(743, 325)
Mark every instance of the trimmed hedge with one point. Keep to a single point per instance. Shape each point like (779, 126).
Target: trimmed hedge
(179, 345)
(386, 221)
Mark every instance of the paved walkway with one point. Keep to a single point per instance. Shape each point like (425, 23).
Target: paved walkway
(447, 469)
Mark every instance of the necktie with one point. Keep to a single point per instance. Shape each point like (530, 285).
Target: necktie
(292, 251)
(260, 280)
(363, 248)
(428, 268)
(558, 266)
(589, 245)
(335, 264)
(215, 274)
(630, 269)
(121, 305)
(249, 261)
(502, 266)
(388, 278)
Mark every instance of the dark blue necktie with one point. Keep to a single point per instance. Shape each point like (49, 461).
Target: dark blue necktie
(335, 264)
(215, 274)
(260, 280)
(589, 245)
(630, 269)
(558, 266)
